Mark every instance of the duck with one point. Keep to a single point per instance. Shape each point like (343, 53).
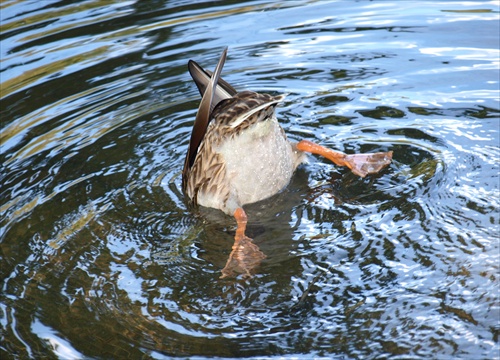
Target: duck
(239, 154)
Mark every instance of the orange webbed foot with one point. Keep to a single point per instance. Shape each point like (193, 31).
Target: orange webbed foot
(245, 255)
(360, 164)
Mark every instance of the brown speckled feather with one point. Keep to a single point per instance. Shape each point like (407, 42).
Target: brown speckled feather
(246, 108)
(202, 118)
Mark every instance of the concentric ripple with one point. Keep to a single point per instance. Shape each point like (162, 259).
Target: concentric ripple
(101, 256)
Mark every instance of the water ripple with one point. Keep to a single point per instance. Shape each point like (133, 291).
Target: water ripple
(101, 256)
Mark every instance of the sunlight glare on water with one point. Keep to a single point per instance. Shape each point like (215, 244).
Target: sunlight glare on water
(102, 258)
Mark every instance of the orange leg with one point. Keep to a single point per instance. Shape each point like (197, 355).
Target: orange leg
(241, 220)
(360, 164)
(245, 255)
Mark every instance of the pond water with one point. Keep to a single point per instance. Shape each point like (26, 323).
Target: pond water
(101, 258)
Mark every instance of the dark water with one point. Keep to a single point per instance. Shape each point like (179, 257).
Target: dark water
(101, 258)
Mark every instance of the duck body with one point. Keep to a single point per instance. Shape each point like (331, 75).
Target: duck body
(245, 155)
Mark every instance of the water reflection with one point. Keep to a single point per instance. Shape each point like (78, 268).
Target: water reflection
(101, 257)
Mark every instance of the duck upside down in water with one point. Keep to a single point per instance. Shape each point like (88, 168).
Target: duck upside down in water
(239, 154)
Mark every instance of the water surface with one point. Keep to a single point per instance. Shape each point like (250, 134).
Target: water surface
(101, 257)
